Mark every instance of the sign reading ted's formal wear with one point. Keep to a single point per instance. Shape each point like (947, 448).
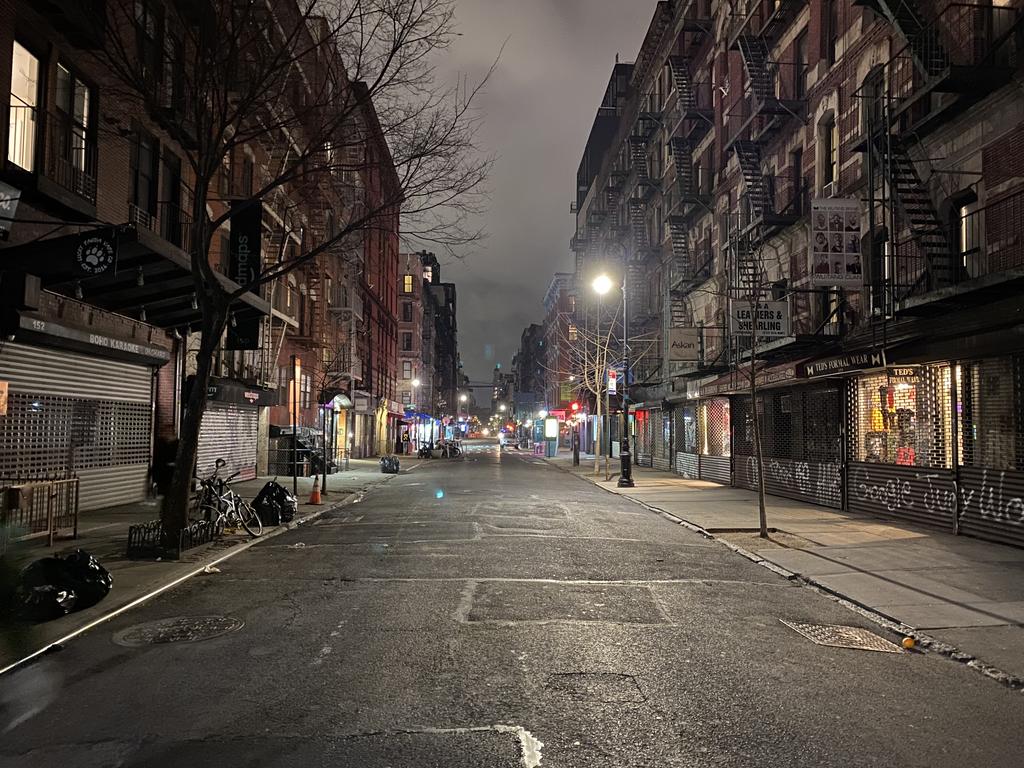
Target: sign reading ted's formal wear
(835, 243)
(684, 345)
(770, 319)
(244, 268)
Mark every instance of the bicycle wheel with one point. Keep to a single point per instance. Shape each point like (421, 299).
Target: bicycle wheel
(250, 520)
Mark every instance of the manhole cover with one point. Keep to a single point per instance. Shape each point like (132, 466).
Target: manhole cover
(843, 637)
(181, 629)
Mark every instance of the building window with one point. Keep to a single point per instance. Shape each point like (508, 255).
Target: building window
(406, 311)
(574, 333)
(74, 102)
(828, 154)
(407, 284)
(832, 31)
(21, 136)
(800, 70)
(406, 398)
(407, 369)
(406, 342)
(148, 32)
(307, 390)
(144, 172)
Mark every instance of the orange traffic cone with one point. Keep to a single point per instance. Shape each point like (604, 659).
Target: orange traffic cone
(314, 496)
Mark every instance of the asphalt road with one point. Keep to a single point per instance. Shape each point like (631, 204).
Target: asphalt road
(493, 612)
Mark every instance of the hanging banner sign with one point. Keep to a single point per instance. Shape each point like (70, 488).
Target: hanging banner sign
(613, 381)
(769, 318)
(9, 197)
(684, 345)
(835, 243)
(245, 245)
(96, 252)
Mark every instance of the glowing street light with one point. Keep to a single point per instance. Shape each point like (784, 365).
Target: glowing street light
(502, 408)
(542, 414)
(416, 382)
(602, 284)
(463, 398)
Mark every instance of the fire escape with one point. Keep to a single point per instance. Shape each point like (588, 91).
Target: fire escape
(772, 98)
(950, 60)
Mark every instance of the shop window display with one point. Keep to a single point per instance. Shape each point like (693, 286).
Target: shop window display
(903, 417)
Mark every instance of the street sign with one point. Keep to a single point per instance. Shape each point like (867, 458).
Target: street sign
(684, 345)
(613, 381)
(769, 318)
(565, 391)
(835, 243)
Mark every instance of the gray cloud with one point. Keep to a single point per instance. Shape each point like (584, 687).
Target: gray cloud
(539, 107)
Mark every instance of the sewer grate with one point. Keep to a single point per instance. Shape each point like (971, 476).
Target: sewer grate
(180, 629)
(843, 637)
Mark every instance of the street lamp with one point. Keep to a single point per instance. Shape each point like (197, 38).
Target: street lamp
(502, 408)
(603, 284)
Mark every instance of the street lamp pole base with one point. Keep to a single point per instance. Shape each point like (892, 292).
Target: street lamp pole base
(626, 469)
(626, 482)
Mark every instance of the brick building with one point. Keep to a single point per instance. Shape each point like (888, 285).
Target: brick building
(99, 198)
(847, 169)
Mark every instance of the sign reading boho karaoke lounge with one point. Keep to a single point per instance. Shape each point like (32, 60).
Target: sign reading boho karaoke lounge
(770, 318)
(244, 268)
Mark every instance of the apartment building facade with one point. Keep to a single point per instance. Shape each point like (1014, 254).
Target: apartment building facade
(98, 238)
(825, 172)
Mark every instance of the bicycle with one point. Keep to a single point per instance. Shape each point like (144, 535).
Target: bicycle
(223, 507)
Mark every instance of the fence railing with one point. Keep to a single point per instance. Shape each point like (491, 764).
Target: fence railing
(71, 156)
(32, 509)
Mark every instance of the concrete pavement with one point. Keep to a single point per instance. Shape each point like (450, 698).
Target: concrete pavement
(495, 612)
(958, 590)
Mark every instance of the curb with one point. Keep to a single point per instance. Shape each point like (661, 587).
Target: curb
(922, 639)
(59, 643)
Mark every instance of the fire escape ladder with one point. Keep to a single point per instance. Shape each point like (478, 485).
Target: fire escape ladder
(780, 19)
(745, 267)
(638, 157)
(638, 226)
(926, 47)
(914, 204)
(756, 57)
(748, 153)
(682, 156)
(681, 260)
(680, 71)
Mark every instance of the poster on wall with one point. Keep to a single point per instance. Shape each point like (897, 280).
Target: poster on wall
(835, 243)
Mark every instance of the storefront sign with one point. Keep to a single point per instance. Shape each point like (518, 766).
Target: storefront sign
(769, 318)
(38, 331)
(3, 398)
(902, 375)
(613, 381)
(361, 401)
(566, 389)
(96, 252)
(245, 253)
(9, 197)
(840, 364)
(237, 393)
(684, 345)
(835, 243)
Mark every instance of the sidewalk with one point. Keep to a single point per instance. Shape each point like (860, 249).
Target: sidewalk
(104, 534)
(958, 590)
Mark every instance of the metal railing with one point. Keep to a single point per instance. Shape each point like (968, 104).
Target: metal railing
(983, 241)
(71, 156)
(175, 225)
(32, 509)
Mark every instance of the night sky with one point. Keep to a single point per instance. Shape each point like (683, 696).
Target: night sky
(539, 108)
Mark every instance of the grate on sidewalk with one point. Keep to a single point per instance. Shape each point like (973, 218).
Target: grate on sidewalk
(843, 637)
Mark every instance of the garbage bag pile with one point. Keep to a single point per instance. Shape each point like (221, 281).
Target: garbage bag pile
(389, 465)
(54, 586)
(275, 505)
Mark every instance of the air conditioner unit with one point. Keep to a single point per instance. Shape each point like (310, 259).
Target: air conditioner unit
(830, 190)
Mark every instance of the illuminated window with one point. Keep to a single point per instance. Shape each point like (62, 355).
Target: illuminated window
(407, 283)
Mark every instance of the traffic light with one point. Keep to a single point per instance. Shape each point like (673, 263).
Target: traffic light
(575, 407)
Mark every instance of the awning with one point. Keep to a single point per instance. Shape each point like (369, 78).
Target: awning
(124, 269)
(738, 382)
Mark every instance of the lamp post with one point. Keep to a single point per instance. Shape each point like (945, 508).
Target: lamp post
(415, 441)
(603, 284)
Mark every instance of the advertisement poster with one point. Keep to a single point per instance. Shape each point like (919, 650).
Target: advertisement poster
(835, 243)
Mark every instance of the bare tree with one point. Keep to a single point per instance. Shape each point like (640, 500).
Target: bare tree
(337, 100)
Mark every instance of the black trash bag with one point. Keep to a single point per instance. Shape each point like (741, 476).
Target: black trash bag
(275, 505)
(54, 586)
